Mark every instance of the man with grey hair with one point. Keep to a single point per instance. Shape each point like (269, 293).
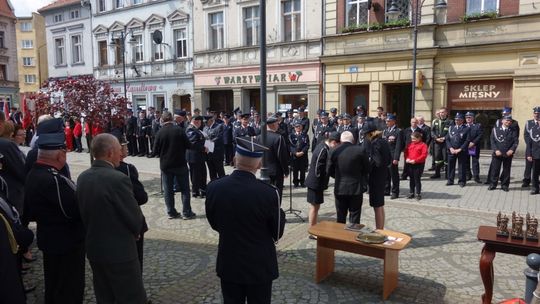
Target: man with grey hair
(348, 164)
(113, 220)
(170, 145)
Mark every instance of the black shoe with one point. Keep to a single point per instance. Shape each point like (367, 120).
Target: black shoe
(431, 169)
(505, 189)
(140, 155)
(386, 193)
(302, 185)
(492, 187)
(191, 216)
(477, 180)
(533, 192)
(195, 194)
(449, 183)
(487, 182)
(403, 178)
(394, 196)
(174, 215)
(435, 176)
(469, 177)
(525, 184)
(418, 197)
(410, 196)
(462, 185)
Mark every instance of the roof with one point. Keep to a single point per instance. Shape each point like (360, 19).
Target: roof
(57, 4)
(6, 9)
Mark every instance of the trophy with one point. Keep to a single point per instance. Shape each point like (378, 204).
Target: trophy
(531, 233)
(517, 226)
(502, 225)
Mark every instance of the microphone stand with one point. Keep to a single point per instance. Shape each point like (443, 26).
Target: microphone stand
(292, 211)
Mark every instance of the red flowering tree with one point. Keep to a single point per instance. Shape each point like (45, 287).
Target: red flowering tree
(83, 96)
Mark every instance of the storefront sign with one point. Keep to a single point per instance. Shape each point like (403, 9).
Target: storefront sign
(138, 88)
(480, 91)
(254, 79)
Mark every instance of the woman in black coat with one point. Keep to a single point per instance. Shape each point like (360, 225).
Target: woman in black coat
(380, 159)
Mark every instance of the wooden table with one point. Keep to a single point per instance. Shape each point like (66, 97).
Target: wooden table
(493, 244)
(332, 236)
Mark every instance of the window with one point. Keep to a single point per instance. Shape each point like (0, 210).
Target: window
(2, 40)
(29, 78)
(101, 5)
(251, 25)
(482, 6)
(60, 51)
(403, 6)
(26, 26)
(28, 61)
(76, 49)
(3, 72)
(180, 38)
(58, 18)
(118, 3)
(137, 49)
(157, 51)
(102, 47)
(217, 40)
(292, 20)
(27, 44)
(135, 2)
(118, 51)
(75, 14)
(357, 12)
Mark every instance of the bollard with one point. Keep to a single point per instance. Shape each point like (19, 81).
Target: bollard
(531, 275)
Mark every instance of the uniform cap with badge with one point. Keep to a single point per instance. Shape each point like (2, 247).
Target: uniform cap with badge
(469, 114)
(536, 109)
(459, 116)
(390, 117)
(51, 135)
(507, 110)
(271, 120)
(250, 147)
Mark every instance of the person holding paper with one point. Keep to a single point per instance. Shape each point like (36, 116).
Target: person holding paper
(196, 155)
(216, 147)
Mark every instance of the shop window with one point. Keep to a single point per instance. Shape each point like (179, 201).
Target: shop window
(402, 5)
(292, 101)
(102, 46)
(139, 101)
(292, 20)
(482, 6)
(251, 25)
(221, 100)
(217, 34)
(357, 12)
(159, 102)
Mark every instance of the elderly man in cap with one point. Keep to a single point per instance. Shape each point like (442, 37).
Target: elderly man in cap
(530, 125)
(214, 160)
(244, 129)
(248, 228)
(393, 135)
(113, 221)
(180, 118)
(51, 201)
(504, 143)
(532, 139)
(303, 119)
(277, 155)
(457, 143)
(332, 118)
(476, 134)
(346, 126)
(322, 130)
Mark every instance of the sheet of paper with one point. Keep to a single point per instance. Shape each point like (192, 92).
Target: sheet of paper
(209, 145)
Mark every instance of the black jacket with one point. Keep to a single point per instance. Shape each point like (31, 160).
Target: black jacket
(394, 138)
(503, 140)
(532, 139)
(348, 164)
(317, 177)
(277, 157)
(195, 153)
(170, 144)
(138, 189)
(247, 227)
(458, 137)
(13, 172)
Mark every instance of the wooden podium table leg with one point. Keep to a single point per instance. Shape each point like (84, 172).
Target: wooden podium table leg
(391, 272)
(325, 263)
(486, 272)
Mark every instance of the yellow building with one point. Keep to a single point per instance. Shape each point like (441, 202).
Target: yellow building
(31, 52)
(469, 58)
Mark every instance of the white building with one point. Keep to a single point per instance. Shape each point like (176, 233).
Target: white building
(69, 41)
(158, 75)
(227, 58)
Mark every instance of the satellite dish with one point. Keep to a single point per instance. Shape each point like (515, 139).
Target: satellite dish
(157, 37)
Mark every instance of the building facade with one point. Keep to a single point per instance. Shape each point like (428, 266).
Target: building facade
(227, 57)
(9, 77)
(477, 55)
(68, 38)
(32, 56)
(151, 43)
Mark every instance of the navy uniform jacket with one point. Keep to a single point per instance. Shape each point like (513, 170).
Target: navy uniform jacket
(532, 139)
(321, 133)
(514, 126)
(215, 134)
(395, 141)
(304, 122)
(256, 126)
(427, 133)
(317, 177)
(277, 157)
(247, 227)
(144, 126)
(195, 152)
(131, 126)
(348, 164)
(503, 140)
(59, 224)
(289, 122)
(13, 172)
(243, 131)
(458, 137)
(333, 121)
(228, 134)
(110, 214)
(475, 136)
(299, 143)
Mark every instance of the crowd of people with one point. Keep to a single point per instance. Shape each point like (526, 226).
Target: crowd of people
(361, 153)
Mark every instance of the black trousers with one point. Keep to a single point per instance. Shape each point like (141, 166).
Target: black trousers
(392, 179)
(143, 145)
(229, 153)
(78, 144)
(473, 165)
(277, 180)
(405, 172)
(197, 171)
(234, 293)
(64, 276)
(117, 283)
(415, 175)
(535, 164)
(461, 160)
(140, 249)
(351, 204)
(528, 171)
(132, 145)
(88, 141)
(215, 166)
(299, 174)
(496, 163)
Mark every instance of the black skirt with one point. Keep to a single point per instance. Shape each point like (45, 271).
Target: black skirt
(315, 197)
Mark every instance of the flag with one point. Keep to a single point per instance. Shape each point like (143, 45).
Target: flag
(6, 109)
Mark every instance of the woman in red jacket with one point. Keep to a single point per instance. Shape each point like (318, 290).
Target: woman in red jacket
(77, 133)
(415, 155)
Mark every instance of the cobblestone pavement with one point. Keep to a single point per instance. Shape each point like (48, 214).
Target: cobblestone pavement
(439, 266)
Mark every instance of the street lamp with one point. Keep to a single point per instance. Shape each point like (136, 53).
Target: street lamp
(122, 41)
(262, 42)
(394, 12)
